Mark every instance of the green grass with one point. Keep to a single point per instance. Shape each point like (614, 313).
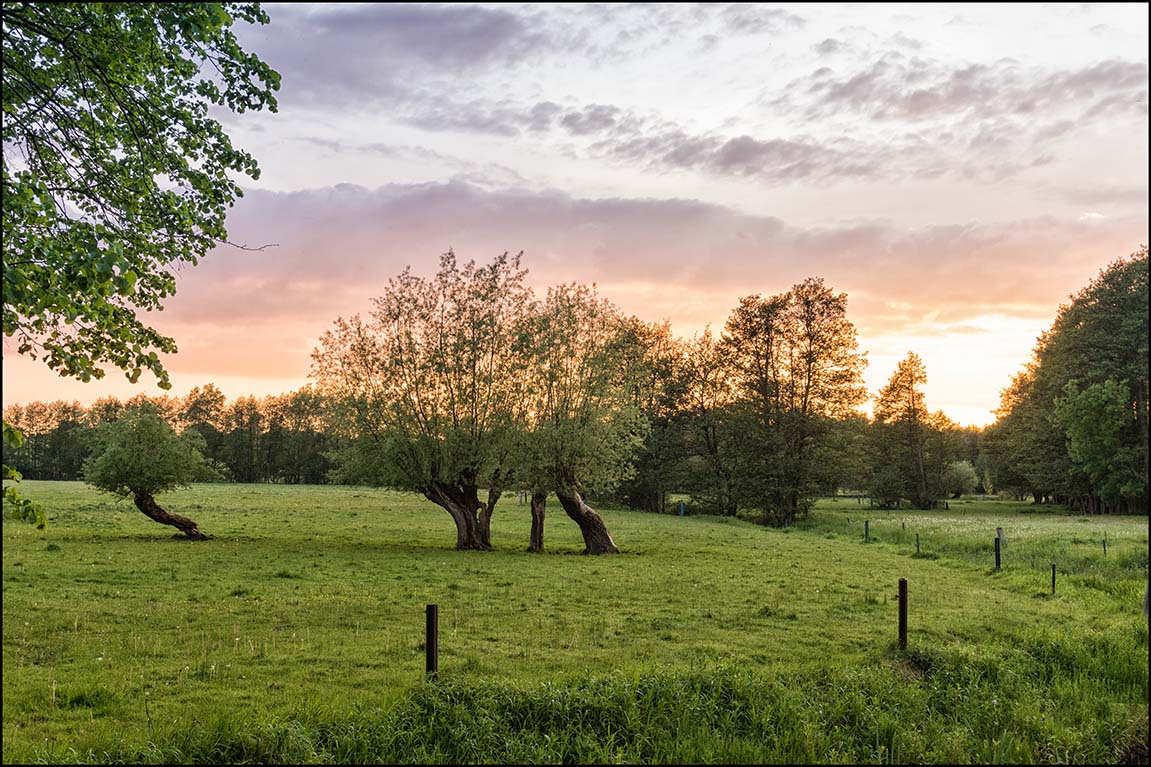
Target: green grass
(296, 634)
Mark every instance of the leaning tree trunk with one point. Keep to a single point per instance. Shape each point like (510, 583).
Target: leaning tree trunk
(147, 504)
(539, 505)
(462, 505)
(596, 538)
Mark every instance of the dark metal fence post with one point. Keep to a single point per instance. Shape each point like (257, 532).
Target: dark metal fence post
(1052, 579)
(866, 530)
(917, 543)
(432, 641)
(902, 613)
(997, 553)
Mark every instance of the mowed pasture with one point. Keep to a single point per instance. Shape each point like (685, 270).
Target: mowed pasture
(297, 634)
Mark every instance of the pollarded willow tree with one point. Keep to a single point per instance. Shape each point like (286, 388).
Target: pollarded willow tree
(428, 389)
(581, 426)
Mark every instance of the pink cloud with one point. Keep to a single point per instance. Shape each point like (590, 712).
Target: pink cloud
(257, 315)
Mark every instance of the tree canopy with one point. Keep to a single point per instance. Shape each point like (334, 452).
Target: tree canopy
(139, 456)
(114, 172)
(428, 389)
(912, 448)
(1073, 424)
(795, 365)
(141, 453)
(582, 428)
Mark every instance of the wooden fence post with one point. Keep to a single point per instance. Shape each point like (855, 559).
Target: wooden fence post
(902, 613)
(432, 641)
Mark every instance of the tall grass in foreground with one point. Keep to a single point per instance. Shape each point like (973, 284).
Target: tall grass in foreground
(1046, 700)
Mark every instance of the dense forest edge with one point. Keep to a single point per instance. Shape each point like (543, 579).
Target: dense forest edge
(467, 383)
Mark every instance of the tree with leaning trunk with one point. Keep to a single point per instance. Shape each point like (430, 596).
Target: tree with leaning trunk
(581, 428)
(426, 390)
(140, 456)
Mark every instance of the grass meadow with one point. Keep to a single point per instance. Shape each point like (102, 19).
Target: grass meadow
(297, 635)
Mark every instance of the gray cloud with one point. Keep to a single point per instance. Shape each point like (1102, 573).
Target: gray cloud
(608, 33)
(756, 19)
(828, 46)
(895, 87)
(364, 54)
(470, 118)
(989, 151)
(594, 118)
(387, 54)
(506, 119)
(657, 258)
(337, 243)
(773, 160)
(503, 119)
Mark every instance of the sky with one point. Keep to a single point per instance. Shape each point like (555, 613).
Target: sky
(957, 170)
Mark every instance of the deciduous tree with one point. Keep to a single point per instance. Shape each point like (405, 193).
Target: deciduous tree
(1098, 340)
(114, 174)
(140, 456)
(427, 388)
(582, 427)
(901, 426)
(796, 367)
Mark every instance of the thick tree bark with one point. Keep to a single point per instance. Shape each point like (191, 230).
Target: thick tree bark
(484, 520)
(147, 504)
(539, 506)
(462, 504)
(596, 538)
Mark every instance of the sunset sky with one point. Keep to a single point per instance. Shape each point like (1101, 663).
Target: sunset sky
(957, 170)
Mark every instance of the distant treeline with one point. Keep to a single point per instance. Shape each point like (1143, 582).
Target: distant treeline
(759, 420)
(274, 439)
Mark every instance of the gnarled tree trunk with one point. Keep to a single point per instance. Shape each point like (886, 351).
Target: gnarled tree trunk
(539, 504)
(147, 504)
(596, 538)
(462, 504)
(484, 519)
